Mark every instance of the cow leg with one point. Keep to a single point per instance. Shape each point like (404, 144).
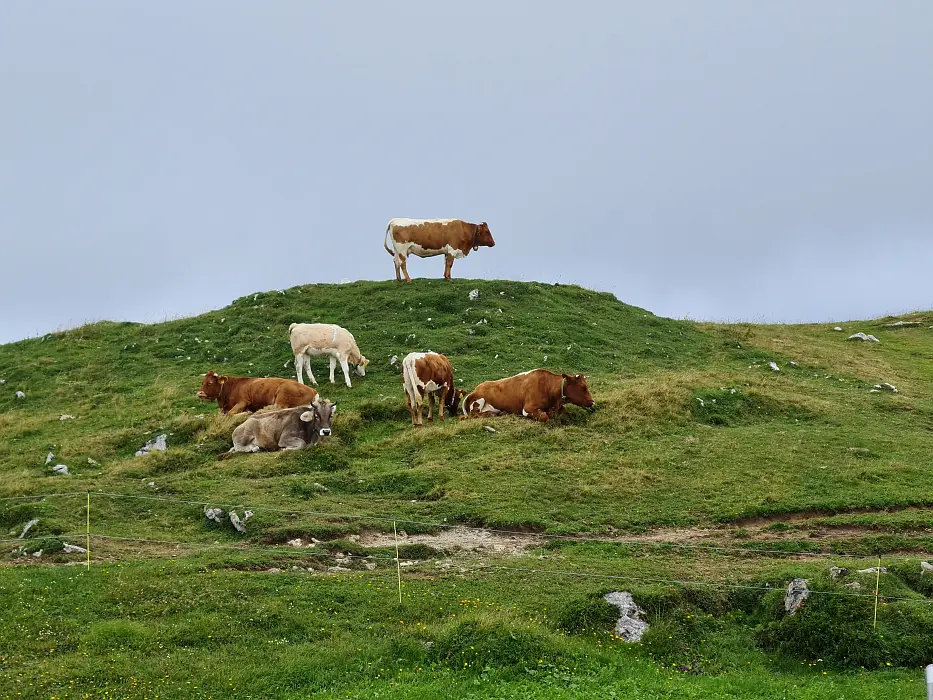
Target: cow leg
(333, 366)
(345, 366)
(405, 267)
(251, 447)
(534, 412)
(411, 410)
(398, 265)
(292, 443)
(443, 401)
(299, 366)
(307, 362)
(448, 264)
(430, 407)
(237, 408)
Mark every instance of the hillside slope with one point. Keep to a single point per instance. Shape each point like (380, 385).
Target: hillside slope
(703, 482)
(692, 427)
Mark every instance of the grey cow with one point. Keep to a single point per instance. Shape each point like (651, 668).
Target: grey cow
(287, 429)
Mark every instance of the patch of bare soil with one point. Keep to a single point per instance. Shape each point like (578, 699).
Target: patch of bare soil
(459, 538)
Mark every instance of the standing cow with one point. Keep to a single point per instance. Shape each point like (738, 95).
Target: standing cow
(425, 374)
(312, 339)
(538, 394)
(426, 238)
(288, 429)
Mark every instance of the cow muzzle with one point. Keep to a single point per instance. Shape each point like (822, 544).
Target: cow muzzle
(202, 395)
(325, 432)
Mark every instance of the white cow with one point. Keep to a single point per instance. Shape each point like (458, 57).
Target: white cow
(312, 339)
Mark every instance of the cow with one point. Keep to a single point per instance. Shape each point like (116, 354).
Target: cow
(538, 394)
(312, 339)
(426, 238)
(286, 429)
(239, 394)
(425, 374)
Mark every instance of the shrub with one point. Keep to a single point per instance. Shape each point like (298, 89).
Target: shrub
(586, 615)
(477, 643)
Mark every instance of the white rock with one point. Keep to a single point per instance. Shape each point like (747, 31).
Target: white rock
(926, 568)
(215, 514)
(73, 549)
(473, 295)
(296, 542)
(854, 585)
(902, 324)
(838, 329)
(274, 570)
(92, 462)
(862, 336)
(20, 395)
(393, 360)
(774, 367)
(837, 572)
(151, 483)
(37, 554)
(886, 387)
(157, 443)
(318, 487)
(35, 521)
(66, 416)
(370, 565)
(2, 381)
(336, 569)
(237, 523)
(797, 593)
(49, 457)
(60, 469)
(873, 570)
(629, 626)
(489, 429)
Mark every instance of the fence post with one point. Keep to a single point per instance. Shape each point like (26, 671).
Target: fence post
(87, 532)
(398, 565)
(877, 583)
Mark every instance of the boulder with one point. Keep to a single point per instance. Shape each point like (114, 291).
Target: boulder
(797, 593)
(862, 336)
(837, 572)
(35, 521)
(157, 443)
(630, 627)
(215, 514)
(61, 469)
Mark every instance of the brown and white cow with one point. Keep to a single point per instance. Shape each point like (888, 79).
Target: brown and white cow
(239, 394)
(287, 429)
(425, 374)
(538, 394)
(426, 238)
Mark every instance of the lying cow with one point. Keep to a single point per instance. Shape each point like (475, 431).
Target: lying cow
(425, 374)
(426, 238)
(288, 429)
(538, 394)
(312, 339)
(239, 394)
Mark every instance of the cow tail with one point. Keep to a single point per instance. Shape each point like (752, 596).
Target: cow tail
(291, 327)
(385, 242)
(225, 455)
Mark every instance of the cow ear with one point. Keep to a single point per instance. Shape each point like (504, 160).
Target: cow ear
(307, 416)
(333, 410)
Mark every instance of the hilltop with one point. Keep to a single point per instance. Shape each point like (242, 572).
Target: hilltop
(695, 439)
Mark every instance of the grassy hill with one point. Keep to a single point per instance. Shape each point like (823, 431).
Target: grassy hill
(695, 441)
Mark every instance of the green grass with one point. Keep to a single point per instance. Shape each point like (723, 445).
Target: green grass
(694, 438)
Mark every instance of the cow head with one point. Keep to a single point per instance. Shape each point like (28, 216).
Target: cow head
(576, 390)
(482, 236)
(454, 397)
(320, 417)
(210, 387)
(361, 366)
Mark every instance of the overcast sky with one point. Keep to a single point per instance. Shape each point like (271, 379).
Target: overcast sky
(724, 159)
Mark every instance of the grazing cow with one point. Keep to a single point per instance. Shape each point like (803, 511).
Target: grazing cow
(427, 374)
(287, 429)
(538, 394)
(239, 394)
(426, 238)
(312, 339)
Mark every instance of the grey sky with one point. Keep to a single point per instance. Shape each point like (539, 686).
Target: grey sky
(717, 159)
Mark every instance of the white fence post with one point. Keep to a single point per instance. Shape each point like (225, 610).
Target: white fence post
(930, 682)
